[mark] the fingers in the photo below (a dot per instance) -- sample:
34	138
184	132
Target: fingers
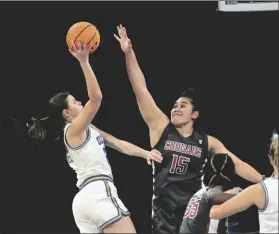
156	156
121	32
78	47
74	48
124	31
88	46
116	37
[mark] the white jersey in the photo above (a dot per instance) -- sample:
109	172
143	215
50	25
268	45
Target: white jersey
213	226
90	158
268	216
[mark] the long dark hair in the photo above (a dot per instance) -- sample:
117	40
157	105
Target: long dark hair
50	127
219	170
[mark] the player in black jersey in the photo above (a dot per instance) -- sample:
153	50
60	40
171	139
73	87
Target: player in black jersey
184	149
219	172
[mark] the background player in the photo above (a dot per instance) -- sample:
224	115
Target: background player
183	148
96	207
264	195
219	173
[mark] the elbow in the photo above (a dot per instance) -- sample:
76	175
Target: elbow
96	98
99	96
214	213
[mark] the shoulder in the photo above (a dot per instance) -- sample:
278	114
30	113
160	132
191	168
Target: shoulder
201	139
255	193
215	145
200	134
169	129
212	139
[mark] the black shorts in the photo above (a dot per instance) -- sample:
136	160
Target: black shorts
166	218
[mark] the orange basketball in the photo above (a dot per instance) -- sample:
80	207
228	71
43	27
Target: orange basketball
83	32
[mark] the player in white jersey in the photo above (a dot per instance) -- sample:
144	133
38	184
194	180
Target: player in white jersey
96	207
264	195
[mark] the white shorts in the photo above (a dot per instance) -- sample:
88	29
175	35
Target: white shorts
96	206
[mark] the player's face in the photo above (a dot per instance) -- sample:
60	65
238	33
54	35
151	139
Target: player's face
74	107
182	112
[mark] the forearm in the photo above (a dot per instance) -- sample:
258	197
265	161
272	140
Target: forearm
220	198
93	88
247	172
131	149
135	74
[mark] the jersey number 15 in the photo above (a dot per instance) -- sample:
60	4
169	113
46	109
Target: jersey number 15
179	164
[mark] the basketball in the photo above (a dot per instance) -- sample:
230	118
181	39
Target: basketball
83	32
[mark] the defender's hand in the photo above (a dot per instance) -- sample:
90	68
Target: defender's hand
123	39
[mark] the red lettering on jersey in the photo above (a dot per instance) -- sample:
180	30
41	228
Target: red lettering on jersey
172	145
183	148
167	145
178	147
192	208
198	152
173	164
189	149
194	150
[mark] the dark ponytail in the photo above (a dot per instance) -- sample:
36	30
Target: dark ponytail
50	127
37	130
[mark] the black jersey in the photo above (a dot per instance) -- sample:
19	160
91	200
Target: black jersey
196	217
182	167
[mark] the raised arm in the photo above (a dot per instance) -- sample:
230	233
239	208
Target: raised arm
128	148
77	129
243	169
152	115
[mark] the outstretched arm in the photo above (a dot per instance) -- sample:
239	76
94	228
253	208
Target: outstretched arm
152	115
241	168
77	129
252	195
129	148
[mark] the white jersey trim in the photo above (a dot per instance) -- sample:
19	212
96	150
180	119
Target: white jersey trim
266	197
88	136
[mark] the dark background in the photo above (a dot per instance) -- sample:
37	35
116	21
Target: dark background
231	58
